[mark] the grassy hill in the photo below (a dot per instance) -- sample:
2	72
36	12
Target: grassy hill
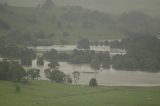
111	6
37	20
44	93
69	24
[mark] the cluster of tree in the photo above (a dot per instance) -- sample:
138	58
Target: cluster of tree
83	44
29	38
57	76
96	60
17	52
11	71
51	55
54	64
33	74
142	54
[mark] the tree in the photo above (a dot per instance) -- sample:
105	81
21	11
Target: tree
26	61
48	4
12	71
33	74
106	42
4	70
51	55
53	64
16	72
93	82
76	77
83	44
55	75
40	61
96	65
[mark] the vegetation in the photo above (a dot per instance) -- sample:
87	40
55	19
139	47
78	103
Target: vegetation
54	64
8	50
83	44
40	93
26	61
33	74
40	61
11	71
93	82
142	54
51	55
55	75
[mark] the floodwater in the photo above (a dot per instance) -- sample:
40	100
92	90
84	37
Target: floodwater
109	77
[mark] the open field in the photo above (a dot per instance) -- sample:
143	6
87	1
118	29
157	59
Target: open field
44	93
111	6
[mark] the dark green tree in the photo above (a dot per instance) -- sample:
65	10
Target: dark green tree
83	44
93	82
33	74
55	75
54	64
40	61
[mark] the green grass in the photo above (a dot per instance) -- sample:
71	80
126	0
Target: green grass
44	93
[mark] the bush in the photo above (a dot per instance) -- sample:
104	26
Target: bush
93	82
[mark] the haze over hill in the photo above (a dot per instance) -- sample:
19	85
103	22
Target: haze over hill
110	6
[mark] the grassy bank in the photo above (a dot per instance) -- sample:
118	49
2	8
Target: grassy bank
44	93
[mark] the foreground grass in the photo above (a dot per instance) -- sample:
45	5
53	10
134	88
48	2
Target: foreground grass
44	93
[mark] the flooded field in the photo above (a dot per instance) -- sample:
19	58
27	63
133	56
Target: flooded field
109	77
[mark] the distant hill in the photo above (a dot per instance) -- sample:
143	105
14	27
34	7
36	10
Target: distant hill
112	6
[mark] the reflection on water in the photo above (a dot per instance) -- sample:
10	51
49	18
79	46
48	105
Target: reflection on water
106	77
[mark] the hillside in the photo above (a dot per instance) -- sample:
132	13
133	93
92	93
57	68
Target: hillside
60	24
44	93
111	6
68	24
